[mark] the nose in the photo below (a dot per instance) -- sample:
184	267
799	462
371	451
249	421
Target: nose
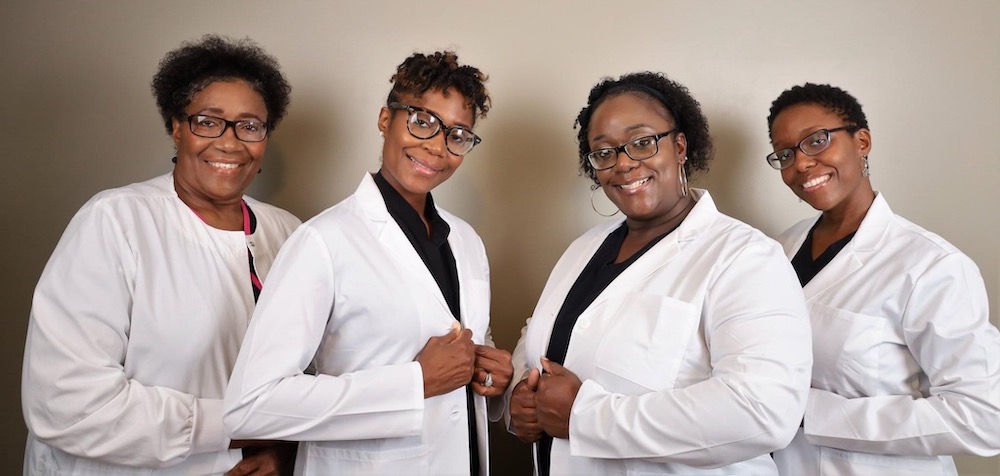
624	162
803	162
436	144
228	139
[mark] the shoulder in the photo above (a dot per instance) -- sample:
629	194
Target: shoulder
279	216
130	200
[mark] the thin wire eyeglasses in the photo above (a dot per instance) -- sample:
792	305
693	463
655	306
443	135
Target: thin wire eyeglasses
812	145
424	124
249	130
640	148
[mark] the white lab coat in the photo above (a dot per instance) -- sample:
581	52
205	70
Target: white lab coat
695	360
351	297
135	325
906	364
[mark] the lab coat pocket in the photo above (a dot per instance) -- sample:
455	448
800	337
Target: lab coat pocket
834	462
643	345
846	349
381	456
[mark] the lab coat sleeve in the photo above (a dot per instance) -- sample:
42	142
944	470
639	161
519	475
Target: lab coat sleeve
75	394
946	327
757	332
270	397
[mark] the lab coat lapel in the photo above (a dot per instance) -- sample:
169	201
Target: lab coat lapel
700	217
391	236
854	256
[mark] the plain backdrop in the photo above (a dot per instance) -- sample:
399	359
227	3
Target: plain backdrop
78	117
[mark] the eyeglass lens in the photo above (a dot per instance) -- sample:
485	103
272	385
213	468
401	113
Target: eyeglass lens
212	127
424	125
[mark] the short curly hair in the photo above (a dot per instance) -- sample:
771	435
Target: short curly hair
441	71
832	98
187	70
684	109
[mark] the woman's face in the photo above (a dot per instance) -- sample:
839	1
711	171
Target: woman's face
415	166
833	178
643	190
219	170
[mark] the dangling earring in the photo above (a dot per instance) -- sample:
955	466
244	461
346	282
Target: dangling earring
174	160
682	177
865	171
593	190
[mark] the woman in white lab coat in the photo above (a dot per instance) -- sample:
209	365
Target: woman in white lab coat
139	314
906	363
674	340
387	297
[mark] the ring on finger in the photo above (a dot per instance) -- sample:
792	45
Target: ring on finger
488	381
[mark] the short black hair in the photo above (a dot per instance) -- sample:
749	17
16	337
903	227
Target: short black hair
187	70
684	109
441	71
832	98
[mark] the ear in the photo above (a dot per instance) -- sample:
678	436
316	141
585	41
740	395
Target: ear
175	133
680	144
383	119
863	141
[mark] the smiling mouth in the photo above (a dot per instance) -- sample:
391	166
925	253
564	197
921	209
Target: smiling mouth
224	165
816	182
634	185
422	166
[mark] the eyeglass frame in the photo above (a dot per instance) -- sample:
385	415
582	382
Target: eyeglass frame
622	148
829	133
411	110
189	118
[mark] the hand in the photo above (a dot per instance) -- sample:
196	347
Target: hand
496	363
447	361
262	458
557	389
523	419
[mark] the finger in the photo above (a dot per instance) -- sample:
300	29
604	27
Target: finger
533	377
552	367
454	333
466	335
485	391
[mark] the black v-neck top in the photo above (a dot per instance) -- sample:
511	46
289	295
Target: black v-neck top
805	267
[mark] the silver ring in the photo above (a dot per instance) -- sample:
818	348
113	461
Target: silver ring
489	380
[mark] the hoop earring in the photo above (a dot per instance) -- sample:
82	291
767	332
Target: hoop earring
593	190
865	171
682	177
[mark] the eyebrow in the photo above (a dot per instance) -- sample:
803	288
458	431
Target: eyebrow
631	128
219	112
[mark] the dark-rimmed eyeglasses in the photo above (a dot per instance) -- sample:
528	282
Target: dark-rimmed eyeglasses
424	124
640	148
812	145
210	127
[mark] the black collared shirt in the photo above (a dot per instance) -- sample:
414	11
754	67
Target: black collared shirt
440	261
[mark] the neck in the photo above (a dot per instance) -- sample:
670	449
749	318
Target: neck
653	228
224	215
846	217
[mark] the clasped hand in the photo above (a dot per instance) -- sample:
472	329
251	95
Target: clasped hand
542	402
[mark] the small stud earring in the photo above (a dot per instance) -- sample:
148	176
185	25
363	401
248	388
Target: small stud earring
381	134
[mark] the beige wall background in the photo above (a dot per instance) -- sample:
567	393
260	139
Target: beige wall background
78	117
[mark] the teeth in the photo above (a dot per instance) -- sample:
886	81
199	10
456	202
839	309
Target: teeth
633	185
221	165
816	181
421	164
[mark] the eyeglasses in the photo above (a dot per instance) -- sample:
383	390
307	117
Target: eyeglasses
641	148
424	124
250	130
812	145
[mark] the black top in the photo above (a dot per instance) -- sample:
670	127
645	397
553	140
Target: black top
805	267
440	261
600	271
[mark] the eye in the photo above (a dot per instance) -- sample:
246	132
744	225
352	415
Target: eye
458	136
251	126
643	142
817	140
602	154
423	120
207	121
